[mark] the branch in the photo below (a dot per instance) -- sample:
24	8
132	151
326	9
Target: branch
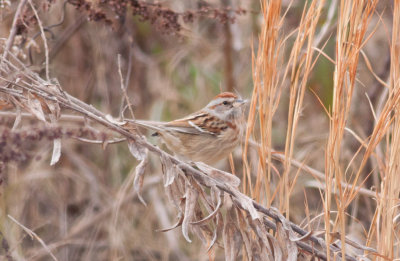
13	30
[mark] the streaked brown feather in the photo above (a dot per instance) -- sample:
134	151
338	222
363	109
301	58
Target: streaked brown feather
201	136
226	95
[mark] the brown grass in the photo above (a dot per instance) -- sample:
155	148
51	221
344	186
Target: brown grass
387	211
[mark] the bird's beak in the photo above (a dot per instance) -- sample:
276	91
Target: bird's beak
239	102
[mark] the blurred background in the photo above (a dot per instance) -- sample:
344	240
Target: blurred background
174	57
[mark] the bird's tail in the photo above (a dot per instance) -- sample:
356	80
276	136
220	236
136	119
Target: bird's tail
151	125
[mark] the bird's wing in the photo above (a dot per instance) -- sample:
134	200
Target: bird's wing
177	125
193	124
196	123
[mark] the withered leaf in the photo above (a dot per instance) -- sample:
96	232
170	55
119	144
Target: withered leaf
212	214
139	177
255	252
17	117
190	204
209	201
229	246
202	232
55	157
246	203
137	151
35	107
246	234
54	109
114	121
50	107
175	192
219	175
263	235
54	88
278	255
177	224
286	225
304	237
217	229
170	170
288	247
231	236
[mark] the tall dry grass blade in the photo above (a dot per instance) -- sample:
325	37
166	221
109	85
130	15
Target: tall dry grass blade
354	17
265	94
300	65
388	203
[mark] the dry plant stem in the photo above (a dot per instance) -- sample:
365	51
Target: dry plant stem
388	206
315	173
229	80
327	27
123	88
353	19
63	117
266	92
13	30
70	102
301	244
301	66
43	35
321	175
34	235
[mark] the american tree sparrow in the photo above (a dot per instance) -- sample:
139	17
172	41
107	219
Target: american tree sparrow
208	135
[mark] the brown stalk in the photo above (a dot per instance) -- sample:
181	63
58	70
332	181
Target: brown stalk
387	208
301	66
265	92
13	31
228	51
353	20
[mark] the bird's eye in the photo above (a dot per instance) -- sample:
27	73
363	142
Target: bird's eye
225	103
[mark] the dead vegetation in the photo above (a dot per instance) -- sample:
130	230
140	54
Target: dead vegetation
62	78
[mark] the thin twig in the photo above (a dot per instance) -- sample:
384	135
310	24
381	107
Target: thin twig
13	30
316	173
123	88
63	117
33	235
46	48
